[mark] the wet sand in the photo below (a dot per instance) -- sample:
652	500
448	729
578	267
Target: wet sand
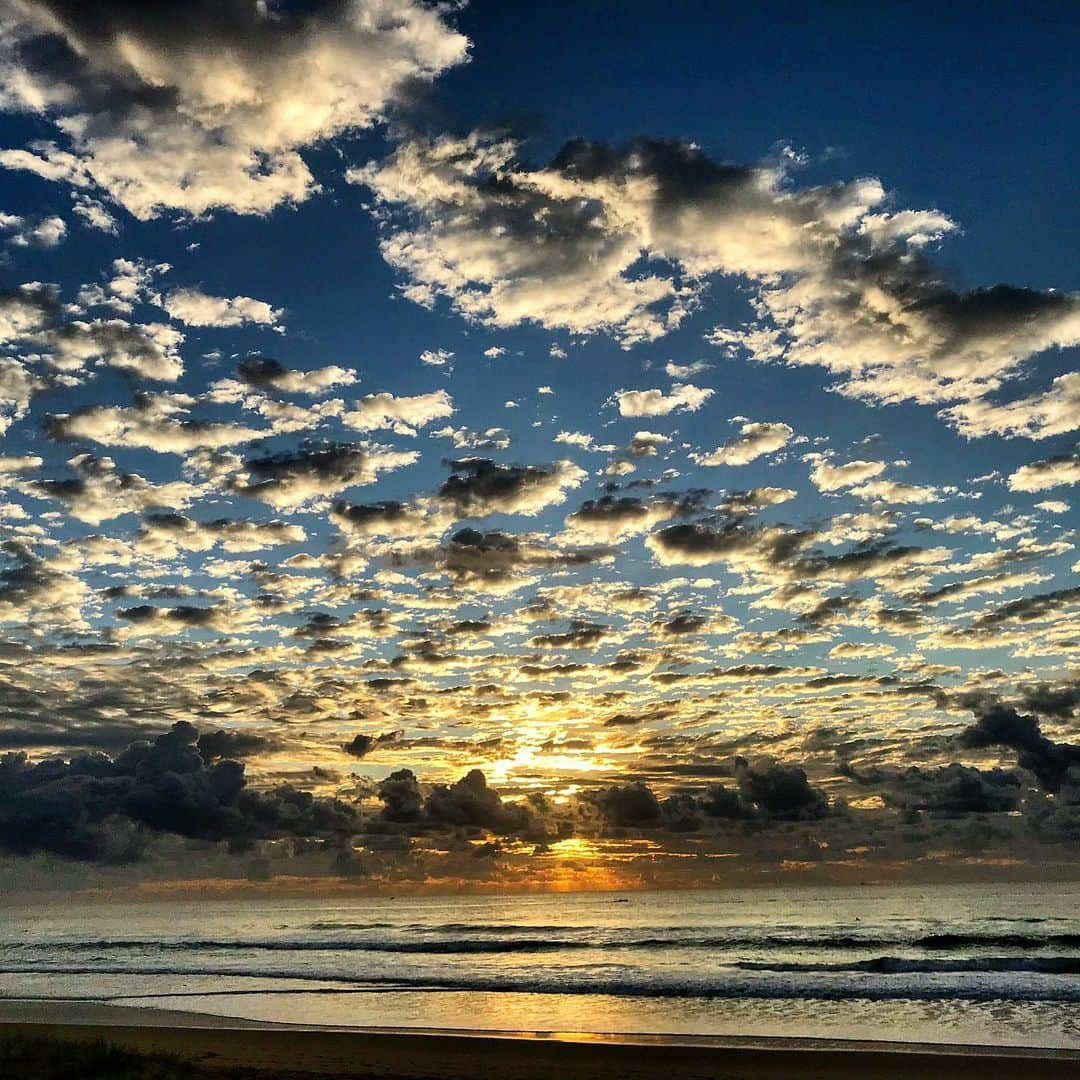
407	1054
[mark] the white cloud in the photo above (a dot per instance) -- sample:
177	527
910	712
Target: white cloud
100	491
682	372
828	477
159	422
895	491
45	232
212	110
95	215
1053	412
752	442
17	386
683	396
196	308
495	438
1042	475
576	438
437	358
402	414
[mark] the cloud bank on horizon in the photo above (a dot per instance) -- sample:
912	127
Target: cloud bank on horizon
575	508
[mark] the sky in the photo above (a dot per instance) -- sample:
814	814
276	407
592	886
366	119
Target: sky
537	446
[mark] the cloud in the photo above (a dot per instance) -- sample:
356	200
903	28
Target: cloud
215	745
828	477
495	438
156	422
752	442
683	397
195	108
148	350
94	215
758	547
610	518
876	315
479	486
548	248
579	439
1055	411
780	791
1001	725
100	491
949	789
777	551
497	562
401	414
315	471
743	503
1046	474
17	386
196	308
580	635
629	805
264	373
437	358
840	283
101	809
360	745
895	491
647	444
32	317
169	533
682	372
390	518
47	232
39	592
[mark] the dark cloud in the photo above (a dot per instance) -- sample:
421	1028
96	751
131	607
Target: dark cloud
315	470
496	561
480	486
780	791
361	745
214	745
1060	700
948	789
581	635
698	543
1002	725
1029	608
723	802
401	798
685	622
629	806
94	807
470	802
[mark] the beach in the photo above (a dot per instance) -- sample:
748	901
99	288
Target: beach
278	1050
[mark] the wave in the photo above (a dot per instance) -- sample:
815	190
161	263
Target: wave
585	939
822	986
903	965
453	928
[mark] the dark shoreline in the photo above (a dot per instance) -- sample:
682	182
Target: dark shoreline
277	1050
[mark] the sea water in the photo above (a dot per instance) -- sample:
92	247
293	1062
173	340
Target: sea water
952	964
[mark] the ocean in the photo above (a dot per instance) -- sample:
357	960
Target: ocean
951	964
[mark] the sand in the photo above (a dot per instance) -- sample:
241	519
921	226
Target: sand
276	1048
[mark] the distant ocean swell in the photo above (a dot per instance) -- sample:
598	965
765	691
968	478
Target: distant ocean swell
1042	981
584	939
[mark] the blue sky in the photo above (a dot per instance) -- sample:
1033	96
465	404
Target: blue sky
703	338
